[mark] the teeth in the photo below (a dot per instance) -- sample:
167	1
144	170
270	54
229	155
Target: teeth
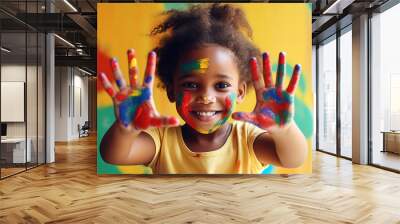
208	114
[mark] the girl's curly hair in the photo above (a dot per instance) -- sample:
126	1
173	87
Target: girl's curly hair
220	24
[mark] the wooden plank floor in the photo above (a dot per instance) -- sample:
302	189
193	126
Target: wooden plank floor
70	191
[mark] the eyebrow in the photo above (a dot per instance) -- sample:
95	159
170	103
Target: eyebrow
224	76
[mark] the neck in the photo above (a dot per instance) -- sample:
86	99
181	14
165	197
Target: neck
220	134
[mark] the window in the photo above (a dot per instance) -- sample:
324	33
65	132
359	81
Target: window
385	89
327	96
346	93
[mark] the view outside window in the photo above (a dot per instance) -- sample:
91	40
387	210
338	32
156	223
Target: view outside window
385	84
327	96
346	94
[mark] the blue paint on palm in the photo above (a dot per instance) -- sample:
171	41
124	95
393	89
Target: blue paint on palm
128	107
273	95
287	97
268	112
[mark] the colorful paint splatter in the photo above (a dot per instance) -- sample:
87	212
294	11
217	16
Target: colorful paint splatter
199	66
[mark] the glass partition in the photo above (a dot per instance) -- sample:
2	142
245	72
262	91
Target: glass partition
22	88
327	96
13	95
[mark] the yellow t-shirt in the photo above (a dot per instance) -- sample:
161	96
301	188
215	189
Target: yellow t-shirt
235	156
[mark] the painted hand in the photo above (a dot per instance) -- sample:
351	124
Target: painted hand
133	104
274	107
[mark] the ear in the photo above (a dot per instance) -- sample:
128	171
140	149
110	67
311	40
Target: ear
170	93
241	92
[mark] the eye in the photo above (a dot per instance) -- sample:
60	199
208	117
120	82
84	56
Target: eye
189	85
222	85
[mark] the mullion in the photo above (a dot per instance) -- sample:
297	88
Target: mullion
338	94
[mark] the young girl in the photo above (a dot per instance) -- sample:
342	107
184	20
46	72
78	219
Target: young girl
206	62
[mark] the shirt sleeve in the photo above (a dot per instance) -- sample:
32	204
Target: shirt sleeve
252	133
156	135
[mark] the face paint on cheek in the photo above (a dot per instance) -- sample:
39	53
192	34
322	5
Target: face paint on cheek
183	102
230	103
199	66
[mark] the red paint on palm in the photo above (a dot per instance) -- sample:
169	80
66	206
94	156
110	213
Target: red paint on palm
143	117
121	96
264	121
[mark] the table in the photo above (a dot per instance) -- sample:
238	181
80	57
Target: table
15	148
391	141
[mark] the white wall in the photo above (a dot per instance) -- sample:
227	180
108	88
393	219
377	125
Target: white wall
15	73
71	87
33	127
62	81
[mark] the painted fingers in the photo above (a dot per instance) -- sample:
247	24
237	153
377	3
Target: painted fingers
267	70
295	79
124	89
107	85
258	85
145	117
132	68
150	70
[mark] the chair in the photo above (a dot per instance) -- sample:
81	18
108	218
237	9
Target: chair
84	130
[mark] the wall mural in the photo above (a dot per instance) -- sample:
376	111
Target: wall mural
195	67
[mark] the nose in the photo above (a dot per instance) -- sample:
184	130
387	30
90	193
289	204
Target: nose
206	99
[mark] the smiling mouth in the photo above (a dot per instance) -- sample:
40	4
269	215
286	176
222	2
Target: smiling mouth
205	115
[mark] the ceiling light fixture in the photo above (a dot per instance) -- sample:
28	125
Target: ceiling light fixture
71	6
65	41
5	50
337	7
84	71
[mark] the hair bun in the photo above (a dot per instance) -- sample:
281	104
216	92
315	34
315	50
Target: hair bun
227	14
